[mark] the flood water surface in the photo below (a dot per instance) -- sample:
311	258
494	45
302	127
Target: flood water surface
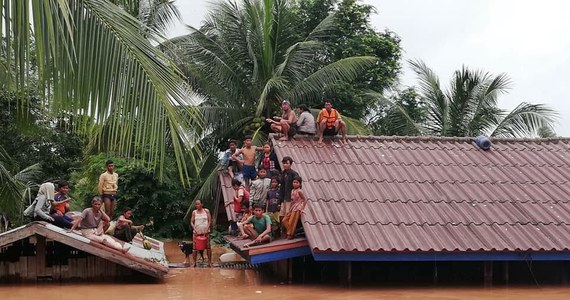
221	284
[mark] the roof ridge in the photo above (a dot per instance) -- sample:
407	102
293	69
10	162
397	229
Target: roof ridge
461	223
439	138
484	201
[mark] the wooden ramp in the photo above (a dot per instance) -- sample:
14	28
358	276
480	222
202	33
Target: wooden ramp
273	251
41	250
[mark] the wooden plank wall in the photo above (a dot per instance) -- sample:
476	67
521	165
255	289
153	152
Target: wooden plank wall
38	260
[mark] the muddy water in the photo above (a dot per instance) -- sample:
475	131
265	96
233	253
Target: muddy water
220	284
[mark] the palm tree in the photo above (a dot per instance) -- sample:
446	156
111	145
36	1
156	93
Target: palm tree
96	60
470	107
247	56
15	186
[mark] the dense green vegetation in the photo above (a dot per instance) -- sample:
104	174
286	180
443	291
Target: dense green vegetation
83	83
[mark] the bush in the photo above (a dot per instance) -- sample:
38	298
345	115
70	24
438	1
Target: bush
162	203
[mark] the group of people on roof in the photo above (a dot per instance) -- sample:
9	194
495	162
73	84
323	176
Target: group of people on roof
329	122
268	199
52	205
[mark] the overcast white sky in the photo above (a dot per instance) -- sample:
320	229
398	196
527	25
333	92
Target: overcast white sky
528	40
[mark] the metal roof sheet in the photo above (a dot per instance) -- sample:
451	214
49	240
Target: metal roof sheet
434	194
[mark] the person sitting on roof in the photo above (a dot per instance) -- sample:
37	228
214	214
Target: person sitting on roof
60	206
286	124
330	123
260	233
89	221
229	164
306	121
41	208
298	202
125	230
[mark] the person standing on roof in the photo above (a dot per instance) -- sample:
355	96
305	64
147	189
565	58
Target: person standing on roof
269	161
286	180
248	161
298	202
108	187
286	124
330	123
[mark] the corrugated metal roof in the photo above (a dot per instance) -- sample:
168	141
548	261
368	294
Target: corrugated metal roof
434	194
151	262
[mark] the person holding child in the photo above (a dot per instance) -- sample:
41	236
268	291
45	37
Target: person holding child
298	202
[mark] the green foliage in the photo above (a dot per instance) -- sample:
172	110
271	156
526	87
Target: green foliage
164	202
96	60
29	137
16	186
468	107
394	114
353	35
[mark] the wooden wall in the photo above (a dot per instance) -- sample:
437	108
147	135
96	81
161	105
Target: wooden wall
35	259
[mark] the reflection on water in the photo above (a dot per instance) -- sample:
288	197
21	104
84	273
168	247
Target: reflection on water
219	284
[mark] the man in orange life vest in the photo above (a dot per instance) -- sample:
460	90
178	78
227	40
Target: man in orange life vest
330	123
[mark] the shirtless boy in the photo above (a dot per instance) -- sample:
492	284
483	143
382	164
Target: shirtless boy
248	161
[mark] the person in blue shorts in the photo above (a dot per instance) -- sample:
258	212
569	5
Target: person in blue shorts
248	162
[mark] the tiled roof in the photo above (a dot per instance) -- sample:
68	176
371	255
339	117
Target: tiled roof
434	194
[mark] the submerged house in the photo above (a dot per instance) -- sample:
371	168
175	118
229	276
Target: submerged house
41	251
434	199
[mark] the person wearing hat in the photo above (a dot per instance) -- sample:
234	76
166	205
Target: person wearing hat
286	124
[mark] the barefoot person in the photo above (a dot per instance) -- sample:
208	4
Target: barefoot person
228	164
125	229
330	123
89	221
201	222
260	232
286	124
248	161
298	201
108	186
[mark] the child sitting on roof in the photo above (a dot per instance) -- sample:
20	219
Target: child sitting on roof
298	202
260	232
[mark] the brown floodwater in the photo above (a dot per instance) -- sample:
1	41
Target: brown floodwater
220	284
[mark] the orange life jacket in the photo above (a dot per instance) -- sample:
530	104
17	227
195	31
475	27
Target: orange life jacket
331	118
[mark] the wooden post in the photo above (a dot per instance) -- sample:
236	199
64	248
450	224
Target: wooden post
290	270
506	271
435	275
488	273
349	273
40	256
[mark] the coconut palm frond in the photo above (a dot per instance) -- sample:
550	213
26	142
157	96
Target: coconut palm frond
95	60
438	104
525	120
347	69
